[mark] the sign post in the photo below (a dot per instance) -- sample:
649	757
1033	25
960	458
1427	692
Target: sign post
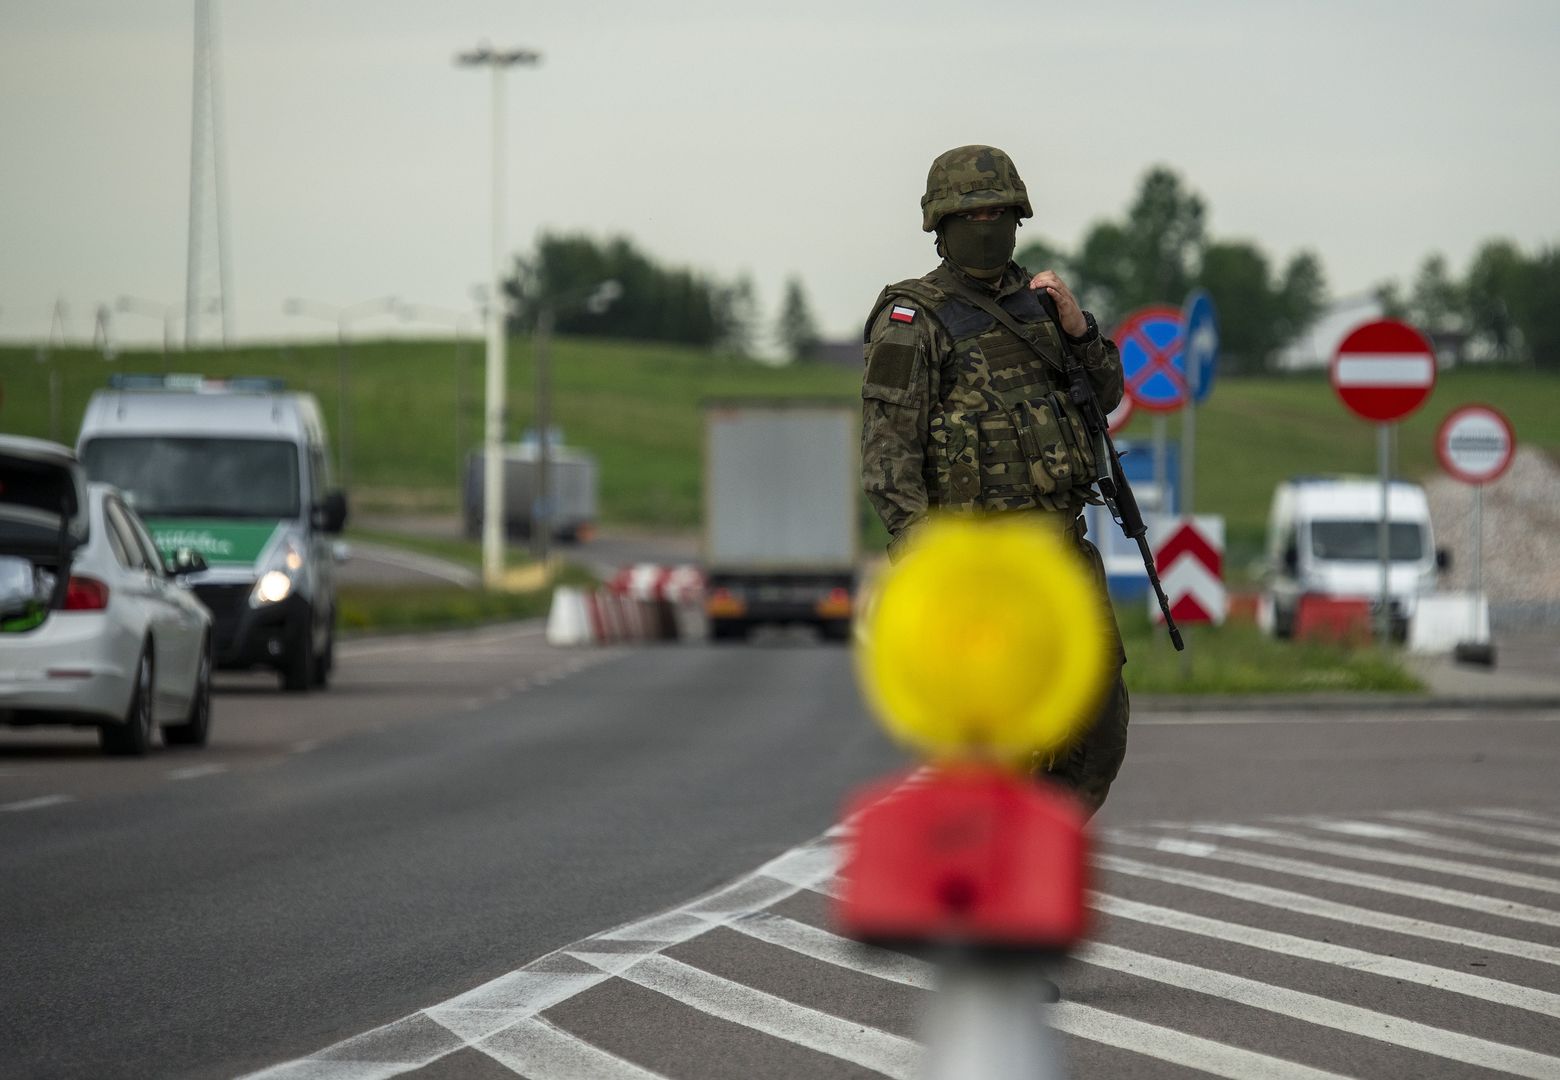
1201	353
1153	368
1382	372
1476	444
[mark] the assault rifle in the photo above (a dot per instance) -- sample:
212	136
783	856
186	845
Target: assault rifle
1114	489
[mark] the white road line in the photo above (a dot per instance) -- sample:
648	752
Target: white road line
1392	967
1177	1047
483	1012
39	803
1302	904
427	565
842	952
892	1055
1352	719
195	772
1420	838
537	1049
1080	1021
1519	815
1488	905
1312	1009
307	746
1372	853
1515	832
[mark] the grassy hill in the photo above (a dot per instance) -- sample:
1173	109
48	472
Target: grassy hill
635	406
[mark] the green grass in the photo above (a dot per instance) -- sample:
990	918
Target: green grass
1237	658
636	407
367	608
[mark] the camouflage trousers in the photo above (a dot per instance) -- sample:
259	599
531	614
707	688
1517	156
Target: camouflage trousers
1088	767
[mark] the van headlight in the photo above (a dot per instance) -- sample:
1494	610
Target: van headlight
280	578
272	588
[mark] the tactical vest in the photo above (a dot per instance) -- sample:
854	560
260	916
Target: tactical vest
1003	434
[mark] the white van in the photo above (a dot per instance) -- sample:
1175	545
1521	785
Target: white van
237	470
1323	540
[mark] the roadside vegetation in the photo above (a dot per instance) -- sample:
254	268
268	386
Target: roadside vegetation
636	408
1237	658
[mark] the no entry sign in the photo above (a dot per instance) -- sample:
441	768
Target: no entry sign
1475	444
1384	370
1150	341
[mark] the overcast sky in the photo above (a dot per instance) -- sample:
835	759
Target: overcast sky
772	139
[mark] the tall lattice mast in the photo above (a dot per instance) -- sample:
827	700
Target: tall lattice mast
208	189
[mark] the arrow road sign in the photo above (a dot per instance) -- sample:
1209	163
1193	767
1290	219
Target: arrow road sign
1202	343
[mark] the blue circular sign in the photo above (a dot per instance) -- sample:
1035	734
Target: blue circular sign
1150	341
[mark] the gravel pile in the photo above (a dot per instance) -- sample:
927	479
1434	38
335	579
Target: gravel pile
1521	538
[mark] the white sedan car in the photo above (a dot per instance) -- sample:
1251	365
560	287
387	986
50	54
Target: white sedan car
94	629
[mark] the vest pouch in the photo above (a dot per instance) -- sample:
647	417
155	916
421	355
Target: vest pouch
1058	459
1076	432
954	438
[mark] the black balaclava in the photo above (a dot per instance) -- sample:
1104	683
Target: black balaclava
981	249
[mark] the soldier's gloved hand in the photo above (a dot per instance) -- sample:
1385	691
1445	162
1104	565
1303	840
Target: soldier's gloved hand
1069	314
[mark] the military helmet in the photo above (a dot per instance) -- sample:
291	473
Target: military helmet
968	178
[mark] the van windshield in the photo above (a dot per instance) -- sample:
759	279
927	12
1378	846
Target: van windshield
199	477
1357	540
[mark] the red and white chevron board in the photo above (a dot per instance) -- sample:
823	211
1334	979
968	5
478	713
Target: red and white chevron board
1189	555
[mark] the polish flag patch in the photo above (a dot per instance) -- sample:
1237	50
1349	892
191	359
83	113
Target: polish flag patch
902	314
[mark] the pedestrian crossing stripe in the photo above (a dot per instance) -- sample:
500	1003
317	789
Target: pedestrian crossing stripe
1491	847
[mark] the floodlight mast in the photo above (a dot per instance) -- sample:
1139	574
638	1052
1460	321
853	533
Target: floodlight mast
493	514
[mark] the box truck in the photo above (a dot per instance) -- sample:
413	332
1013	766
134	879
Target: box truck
780	515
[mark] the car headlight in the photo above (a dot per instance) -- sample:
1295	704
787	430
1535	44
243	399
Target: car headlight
273	587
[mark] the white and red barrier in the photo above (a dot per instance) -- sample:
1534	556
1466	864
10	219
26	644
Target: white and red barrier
643	602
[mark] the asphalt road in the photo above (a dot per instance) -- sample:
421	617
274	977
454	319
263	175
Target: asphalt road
481	857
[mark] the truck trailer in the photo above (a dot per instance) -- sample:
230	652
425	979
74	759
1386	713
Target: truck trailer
780	515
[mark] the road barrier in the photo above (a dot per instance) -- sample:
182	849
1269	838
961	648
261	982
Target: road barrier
644	602
1332	618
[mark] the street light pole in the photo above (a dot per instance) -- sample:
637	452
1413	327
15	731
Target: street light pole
493	516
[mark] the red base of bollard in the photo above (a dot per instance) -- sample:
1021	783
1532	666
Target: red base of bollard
971	855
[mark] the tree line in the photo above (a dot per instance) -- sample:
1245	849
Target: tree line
1505	308
1160	250
652	303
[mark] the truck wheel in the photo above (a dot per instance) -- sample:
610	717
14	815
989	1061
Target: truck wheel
729	630
133	736
197	722
836	630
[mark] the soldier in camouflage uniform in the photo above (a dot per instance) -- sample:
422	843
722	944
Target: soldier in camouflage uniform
959	413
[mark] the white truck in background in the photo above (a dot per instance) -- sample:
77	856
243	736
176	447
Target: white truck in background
781	479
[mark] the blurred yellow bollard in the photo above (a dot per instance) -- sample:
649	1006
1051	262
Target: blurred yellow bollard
987	642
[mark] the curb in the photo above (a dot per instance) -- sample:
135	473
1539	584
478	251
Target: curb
1327	702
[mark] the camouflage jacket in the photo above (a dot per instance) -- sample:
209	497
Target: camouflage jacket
958	413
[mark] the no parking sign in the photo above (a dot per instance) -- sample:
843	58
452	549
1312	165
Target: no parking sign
1151	341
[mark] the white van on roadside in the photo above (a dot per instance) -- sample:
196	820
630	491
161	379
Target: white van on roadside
239	471
1323	540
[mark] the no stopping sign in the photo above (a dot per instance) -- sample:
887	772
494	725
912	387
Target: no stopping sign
1475	444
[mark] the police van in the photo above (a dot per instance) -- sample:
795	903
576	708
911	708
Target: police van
1323	539
239	471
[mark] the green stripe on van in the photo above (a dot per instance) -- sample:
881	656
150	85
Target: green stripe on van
220	543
